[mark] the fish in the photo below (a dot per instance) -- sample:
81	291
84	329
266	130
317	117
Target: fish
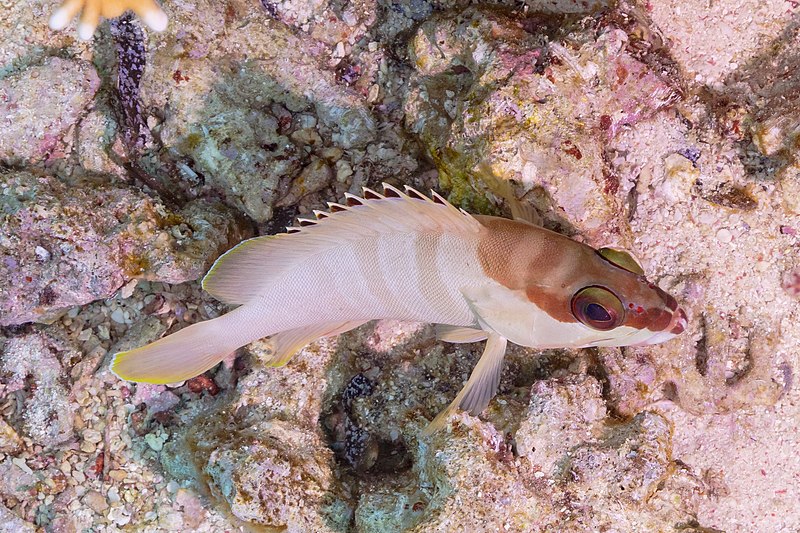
406	256
92	10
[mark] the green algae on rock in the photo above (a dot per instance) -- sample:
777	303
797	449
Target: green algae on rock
496	99
260	458
231	108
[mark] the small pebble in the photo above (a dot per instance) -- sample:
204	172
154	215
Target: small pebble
42	254
113	495
349	18
22	465
95	501
343	171
724	236
79	477
102	332
92	436
127	290
118	316
119	515
117	475
155	443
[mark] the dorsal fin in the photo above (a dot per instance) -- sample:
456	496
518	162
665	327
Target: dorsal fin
244	271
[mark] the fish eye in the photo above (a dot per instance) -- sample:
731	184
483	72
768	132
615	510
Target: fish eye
598	308
622	259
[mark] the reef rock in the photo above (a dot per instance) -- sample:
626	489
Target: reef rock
11	523
40	104
265	475
472	474
265	453
562	414
474	464
33	369
69	244
496	99
628	462
253	110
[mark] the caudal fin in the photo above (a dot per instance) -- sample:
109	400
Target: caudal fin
186	353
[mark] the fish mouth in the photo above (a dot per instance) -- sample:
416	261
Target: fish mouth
676	326
679	322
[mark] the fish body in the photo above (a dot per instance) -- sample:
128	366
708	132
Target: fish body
404	276
408	257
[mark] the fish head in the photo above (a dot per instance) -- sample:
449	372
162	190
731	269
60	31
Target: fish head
614	301
555	292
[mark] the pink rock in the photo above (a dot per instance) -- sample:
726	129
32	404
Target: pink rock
495	101
39	105
32	367
63	245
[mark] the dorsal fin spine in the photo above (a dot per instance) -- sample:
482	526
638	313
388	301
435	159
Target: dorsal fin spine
367	193
395	192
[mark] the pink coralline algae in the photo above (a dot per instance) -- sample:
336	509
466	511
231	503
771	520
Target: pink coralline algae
69	244
40	104
791	283
495	100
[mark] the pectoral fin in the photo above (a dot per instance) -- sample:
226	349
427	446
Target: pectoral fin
481	386
459	335
284	345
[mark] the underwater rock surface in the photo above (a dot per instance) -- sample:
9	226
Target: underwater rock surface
496	100
67	244
131	162
52	95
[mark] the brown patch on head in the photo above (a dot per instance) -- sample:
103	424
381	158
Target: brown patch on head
532	260
648	306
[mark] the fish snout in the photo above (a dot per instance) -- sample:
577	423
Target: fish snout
679	322
676	326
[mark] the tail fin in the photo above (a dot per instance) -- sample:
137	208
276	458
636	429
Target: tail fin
188	352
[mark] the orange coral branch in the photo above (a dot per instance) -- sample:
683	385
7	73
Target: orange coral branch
91	11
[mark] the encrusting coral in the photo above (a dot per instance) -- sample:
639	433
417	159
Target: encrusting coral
91	11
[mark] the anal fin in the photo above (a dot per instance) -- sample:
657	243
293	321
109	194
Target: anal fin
284	345
459	335
481	386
